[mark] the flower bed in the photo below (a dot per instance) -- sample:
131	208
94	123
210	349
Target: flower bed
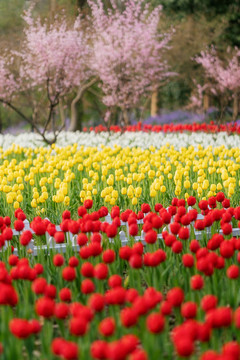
47	180
157	278
173	297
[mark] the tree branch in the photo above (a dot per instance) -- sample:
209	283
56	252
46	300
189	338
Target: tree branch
29	121
81	90
52	105
84	88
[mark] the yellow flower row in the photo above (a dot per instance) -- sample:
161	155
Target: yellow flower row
44	178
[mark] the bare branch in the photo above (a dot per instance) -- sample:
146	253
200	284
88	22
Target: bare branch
53	104
79	95
84	88
29	121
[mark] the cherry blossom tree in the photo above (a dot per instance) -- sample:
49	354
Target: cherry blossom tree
128	51
7	82
54	60
223	77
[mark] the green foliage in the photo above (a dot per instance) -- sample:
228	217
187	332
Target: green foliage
232	34
9	11
10	21
209	7
228	9
198	24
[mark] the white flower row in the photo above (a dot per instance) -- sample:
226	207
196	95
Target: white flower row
131	139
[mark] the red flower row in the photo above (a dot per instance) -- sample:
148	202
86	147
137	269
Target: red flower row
171	128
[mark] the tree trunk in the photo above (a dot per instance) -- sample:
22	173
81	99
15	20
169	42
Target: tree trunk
125	117
52	9
80	112
61	113
34	116
154	101
206	102
76	115
74	112
235	106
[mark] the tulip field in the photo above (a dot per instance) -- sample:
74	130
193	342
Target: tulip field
120	246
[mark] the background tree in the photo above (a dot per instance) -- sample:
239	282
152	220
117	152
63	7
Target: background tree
198	24
223	77
54	61
129	53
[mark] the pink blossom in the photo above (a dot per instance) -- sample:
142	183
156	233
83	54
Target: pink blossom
129	51
57	54
225	75
8	84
